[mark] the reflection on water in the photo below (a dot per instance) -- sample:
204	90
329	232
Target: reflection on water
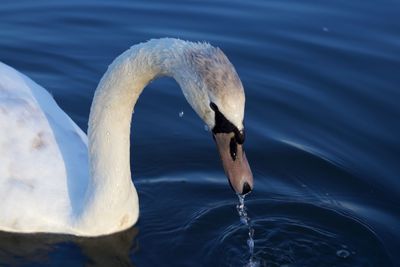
60	250
321	81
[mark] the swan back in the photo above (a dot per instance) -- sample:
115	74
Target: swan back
40	146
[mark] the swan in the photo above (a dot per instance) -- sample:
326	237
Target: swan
55	179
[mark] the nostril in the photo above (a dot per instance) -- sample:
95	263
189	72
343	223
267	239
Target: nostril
246	188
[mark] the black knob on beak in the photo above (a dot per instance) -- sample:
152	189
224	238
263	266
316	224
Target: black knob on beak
246	188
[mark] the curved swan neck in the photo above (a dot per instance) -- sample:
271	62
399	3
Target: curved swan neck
111	194
114	101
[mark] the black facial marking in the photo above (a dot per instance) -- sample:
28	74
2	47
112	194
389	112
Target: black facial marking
223	125
240	136
233	148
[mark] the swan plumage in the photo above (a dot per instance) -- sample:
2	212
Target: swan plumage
40	148
54	178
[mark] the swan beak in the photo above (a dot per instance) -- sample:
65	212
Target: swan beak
235	163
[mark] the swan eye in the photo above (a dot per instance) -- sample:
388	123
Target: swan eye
214	107
233	148
240	136
223	125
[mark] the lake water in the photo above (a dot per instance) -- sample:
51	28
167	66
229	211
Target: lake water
322	118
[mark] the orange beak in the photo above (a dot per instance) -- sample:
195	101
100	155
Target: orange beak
235	163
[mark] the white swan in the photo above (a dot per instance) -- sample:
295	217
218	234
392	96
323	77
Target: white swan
53	179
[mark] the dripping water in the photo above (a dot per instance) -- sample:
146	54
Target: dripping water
245	219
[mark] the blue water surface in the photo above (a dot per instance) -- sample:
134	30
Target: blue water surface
322	119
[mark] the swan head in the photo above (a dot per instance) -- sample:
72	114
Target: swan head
217	96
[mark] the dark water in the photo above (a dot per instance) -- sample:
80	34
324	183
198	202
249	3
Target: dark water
322	83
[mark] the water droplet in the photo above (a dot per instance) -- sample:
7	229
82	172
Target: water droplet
342	253
206	128
181	114
251	233
325	29
245	219
250	243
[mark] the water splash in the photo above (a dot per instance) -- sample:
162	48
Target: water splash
245	219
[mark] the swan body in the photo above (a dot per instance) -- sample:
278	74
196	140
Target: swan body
55	179
40	148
